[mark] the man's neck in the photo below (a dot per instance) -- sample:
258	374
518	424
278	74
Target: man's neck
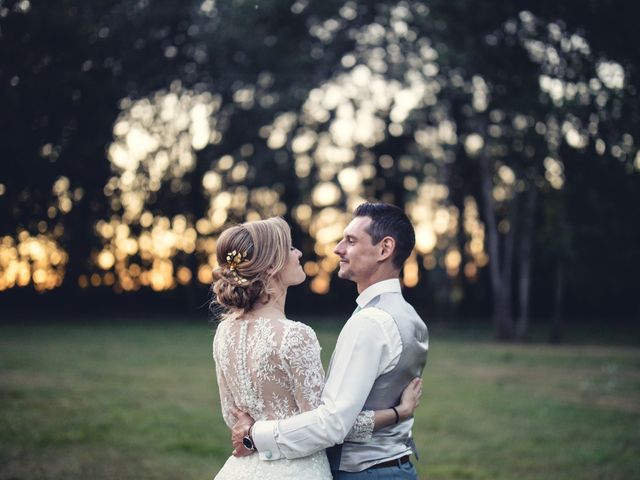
363	285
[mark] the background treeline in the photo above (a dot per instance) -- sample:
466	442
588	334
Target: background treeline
133	132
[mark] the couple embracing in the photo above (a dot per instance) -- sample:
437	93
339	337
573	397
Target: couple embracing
281	409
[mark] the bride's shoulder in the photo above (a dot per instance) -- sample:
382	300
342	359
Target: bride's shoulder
220	326
221	330
286	328
294	327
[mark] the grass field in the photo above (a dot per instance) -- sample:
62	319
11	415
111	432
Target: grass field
139	401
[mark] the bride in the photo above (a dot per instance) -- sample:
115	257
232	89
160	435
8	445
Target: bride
267	365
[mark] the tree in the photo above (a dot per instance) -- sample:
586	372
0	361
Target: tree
211	112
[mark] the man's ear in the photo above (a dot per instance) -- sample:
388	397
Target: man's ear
387	247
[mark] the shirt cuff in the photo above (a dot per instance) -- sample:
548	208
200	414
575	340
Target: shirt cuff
264	433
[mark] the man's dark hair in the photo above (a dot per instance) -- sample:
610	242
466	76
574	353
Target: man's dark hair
389	221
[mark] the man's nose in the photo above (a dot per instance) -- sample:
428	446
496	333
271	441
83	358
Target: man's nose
338	248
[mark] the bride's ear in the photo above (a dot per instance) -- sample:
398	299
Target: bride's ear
272	275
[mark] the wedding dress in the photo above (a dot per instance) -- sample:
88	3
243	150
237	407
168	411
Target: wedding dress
271	369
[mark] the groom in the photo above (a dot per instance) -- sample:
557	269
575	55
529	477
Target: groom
379	350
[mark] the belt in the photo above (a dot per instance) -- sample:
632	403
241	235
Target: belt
393	463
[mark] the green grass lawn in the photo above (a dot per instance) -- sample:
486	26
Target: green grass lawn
139	401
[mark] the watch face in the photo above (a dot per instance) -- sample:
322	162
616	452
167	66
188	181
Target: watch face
248	444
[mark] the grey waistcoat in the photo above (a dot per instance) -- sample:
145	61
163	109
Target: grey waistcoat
393	441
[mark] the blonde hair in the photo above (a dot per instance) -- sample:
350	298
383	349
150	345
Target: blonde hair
263	248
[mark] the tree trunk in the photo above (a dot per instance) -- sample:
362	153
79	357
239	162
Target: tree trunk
508	327
442	294
524	280
500	290
557	328
493	241
563	251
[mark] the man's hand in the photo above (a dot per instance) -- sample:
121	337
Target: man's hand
244	422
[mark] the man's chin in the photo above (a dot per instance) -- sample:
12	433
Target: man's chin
344	274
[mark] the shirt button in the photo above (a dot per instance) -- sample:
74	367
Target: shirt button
267	454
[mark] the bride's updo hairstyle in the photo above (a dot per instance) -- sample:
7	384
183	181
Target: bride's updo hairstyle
249	256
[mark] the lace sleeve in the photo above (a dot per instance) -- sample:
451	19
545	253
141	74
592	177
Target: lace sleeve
301	350
362	429
226	399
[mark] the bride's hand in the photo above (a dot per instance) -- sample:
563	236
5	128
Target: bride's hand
410	399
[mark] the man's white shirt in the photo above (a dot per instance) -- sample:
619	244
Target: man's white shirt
368	346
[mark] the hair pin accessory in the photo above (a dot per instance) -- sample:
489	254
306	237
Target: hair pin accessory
235	258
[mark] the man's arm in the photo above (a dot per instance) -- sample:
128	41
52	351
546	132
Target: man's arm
362	429
361	355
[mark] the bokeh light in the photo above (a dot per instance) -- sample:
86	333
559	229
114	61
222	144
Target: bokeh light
392	84
38	260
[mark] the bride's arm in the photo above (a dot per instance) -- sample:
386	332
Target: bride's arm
226	400
369	421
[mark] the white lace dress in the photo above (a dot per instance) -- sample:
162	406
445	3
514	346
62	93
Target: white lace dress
271	369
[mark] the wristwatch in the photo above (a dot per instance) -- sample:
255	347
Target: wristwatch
247	441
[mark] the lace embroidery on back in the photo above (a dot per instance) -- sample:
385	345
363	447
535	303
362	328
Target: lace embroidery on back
269	368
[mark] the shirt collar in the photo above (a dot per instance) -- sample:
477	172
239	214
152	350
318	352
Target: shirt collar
372	291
